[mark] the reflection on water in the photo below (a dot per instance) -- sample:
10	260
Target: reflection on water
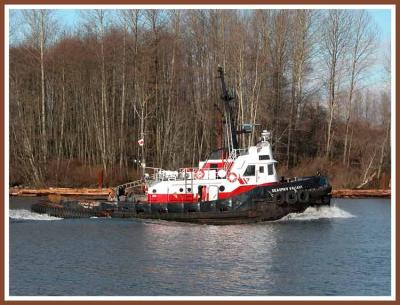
342	250
226	255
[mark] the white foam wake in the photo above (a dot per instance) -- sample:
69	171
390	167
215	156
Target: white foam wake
18	215
314	213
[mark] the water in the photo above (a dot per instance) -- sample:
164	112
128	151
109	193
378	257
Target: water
339	250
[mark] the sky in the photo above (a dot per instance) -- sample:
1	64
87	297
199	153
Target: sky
382	19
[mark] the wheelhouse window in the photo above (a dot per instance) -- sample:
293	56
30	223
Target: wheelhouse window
250	170
261	169
263	157
270	169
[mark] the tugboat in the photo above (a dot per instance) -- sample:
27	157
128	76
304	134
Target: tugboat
234	185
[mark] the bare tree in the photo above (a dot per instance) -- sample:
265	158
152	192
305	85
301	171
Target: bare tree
362	44
39	23
385	146
333	46
301	50
98	19
277	46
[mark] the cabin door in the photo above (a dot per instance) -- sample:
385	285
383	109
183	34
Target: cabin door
213	192
202	193
261	173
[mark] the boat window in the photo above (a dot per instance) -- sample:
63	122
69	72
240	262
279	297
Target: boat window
213	166
263	157
270	169
261	169
222	188
250	170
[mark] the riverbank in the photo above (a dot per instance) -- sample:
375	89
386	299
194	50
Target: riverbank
336	193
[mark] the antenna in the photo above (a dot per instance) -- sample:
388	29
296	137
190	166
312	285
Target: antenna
230	121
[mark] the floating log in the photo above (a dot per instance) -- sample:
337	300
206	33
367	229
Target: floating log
60	191
352	193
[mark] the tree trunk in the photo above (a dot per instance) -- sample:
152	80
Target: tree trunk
44	133
122	136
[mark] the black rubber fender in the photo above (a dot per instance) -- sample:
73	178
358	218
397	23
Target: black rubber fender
303	196
291	197
279	198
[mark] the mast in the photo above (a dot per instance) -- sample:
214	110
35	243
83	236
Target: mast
228	106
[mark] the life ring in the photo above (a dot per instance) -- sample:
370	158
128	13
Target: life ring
232	177
199	174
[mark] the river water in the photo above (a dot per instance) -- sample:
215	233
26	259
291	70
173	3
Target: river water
342	250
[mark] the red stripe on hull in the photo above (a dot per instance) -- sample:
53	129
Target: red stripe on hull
172	198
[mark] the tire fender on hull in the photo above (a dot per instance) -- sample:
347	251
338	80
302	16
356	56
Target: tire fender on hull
143	207
223	205
159	208
192	207
175	207
291	197
303	196
279	198
208	206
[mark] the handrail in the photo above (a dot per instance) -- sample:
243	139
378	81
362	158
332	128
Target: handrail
129	184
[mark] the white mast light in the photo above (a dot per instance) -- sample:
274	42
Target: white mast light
265	135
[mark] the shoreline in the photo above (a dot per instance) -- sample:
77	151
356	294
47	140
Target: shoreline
61	191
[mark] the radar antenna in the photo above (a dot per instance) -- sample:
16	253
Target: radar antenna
228	107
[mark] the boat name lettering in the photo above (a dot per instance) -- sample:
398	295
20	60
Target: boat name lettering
283	189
